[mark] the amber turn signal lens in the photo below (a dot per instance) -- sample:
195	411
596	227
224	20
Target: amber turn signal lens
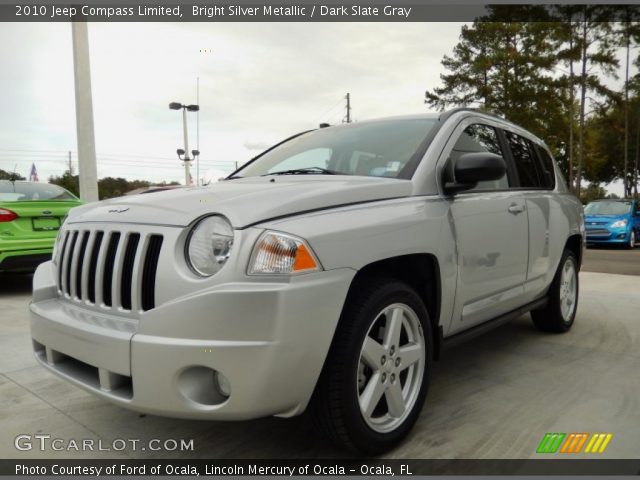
278	253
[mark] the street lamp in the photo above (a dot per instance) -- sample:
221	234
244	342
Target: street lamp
185	152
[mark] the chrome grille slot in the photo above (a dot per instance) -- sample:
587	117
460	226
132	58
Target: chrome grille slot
93	266
127	270
80	263
61	262
108	268
149	272
68	261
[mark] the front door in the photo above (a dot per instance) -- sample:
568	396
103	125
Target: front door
491	227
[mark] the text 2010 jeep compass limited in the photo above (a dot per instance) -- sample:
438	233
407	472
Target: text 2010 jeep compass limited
324	274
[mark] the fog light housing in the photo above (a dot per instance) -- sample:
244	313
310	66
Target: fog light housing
224	387
203	385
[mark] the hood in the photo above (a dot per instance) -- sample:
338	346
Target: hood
605	218
243	201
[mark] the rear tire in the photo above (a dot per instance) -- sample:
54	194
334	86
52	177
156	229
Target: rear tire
377	371
560	312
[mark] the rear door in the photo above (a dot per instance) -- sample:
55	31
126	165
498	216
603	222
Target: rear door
491	229
536	181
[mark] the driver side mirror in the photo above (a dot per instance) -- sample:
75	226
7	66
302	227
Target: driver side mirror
472	168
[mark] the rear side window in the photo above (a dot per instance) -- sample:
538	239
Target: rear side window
480	138
548	172
30	191
532	171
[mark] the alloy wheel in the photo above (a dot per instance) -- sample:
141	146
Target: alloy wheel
391	367
568	290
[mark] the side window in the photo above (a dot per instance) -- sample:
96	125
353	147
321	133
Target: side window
526	162
548	172
480	138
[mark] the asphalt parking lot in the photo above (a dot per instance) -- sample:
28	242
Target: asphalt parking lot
494	397
612	260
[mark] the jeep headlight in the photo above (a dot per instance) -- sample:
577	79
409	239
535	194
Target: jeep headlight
209	245
619	224
280	254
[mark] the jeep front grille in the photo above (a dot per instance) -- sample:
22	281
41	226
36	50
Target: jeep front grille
111	269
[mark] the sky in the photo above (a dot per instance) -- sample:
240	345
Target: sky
259	83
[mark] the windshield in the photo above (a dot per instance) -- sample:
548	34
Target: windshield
607	208
377	149
30	191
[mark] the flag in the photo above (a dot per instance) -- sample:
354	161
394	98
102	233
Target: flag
33	176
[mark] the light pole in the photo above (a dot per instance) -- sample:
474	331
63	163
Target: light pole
195	154
186	159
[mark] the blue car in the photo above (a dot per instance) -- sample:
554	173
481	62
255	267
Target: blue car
613	222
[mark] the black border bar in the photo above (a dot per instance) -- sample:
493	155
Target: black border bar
318	467
276	11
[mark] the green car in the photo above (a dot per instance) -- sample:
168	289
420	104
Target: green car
30	215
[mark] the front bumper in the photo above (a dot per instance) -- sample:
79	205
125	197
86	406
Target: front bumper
606	235
269	339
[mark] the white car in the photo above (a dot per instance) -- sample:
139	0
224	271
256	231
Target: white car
327	273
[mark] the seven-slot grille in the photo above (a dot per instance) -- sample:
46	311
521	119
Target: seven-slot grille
109	268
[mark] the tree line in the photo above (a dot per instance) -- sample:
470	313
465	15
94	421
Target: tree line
108	187
549	69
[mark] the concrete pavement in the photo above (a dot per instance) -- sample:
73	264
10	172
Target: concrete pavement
494	397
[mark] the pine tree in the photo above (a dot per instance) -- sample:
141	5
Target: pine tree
507	67
594	36
628	33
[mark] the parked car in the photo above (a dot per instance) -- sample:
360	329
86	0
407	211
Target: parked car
30	215
613	222
327	273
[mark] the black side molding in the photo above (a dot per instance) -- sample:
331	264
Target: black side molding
483	328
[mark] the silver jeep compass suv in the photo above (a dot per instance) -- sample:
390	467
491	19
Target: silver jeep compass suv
327	273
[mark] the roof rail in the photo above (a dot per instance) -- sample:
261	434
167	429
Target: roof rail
448	113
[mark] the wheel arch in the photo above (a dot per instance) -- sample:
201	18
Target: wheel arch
421	271
575	245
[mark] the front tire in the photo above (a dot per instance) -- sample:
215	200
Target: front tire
632	240
560	312
377	372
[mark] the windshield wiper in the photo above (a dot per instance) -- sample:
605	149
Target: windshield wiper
306	171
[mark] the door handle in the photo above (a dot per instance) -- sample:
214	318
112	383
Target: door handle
515	208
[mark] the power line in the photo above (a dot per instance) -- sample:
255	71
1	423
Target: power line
324	115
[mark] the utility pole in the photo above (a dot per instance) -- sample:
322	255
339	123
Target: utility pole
70	164
627	187
87	168
635	167
347	119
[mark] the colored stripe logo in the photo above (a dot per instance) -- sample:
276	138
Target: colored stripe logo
598	443
574	443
